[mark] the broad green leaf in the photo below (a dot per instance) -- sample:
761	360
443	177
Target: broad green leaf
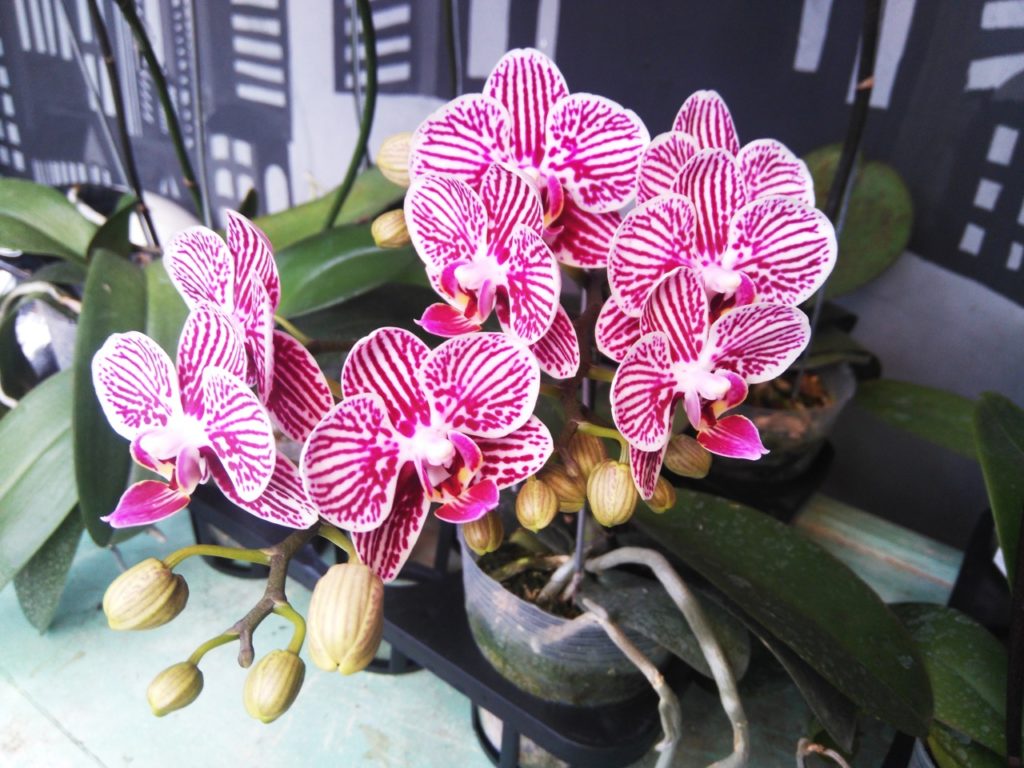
951	750
371	194
804	597
967	667
935	415
165	310
114	301
642	605
879	217
113	233
999	431
830	345
61	273
37	476
39	219
40	583
16	373
389	304
335	266
250	204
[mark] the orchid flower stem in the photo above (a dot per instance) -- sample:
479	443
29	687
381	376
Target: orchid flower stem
293	330
209	645
600	373
340	540
694	614
550	390
612	434
215	550
805	747
299	635
366	120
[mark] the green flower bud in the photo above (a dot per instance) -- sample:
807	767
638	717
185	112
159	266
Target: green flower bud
664	496
570	489
536	505
393	158
147	595
346	618
611	493
587	451
484	535
389	230
174	688
272	685
686	457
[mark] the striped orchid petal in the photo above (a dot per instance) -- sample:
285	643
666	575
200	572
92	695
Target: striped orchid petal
713	183
445	320
616	331
208	339
654	239
136	385
475	502
516	456
300	396
386	363
201	268
593	147
558	350
350	463
146	502
258	324
583	239
678	308
786	249
661	162
733	436
483	384
769	168
509	202
533	283
646	466
643	393
386	547
527	83
758	341
283	502
253	260
706	118
462	139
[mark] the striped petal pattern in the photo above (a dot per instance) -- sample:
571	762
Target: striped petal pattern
583	239
253	260
678	308
201	268
533	283
706	118
661	162
516	456
208	339
769	168
510	202
646	466
713	183
299	397
283	502
643	393
558	350
386	547
758	341
615	331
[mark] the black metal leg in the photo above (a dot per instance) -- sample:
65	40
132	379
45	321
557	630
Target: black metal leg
509	747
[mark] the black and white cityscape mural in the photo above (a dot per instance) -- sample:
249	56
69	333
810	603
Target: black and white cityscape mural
269	90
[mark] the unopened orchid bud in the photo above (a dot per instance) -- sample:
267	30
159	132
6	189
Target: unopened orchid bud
611	493
393	158
571	490
389	230
486	534
536	505
174	688
147	595
346	618
664	496
587	451
272	685
686	457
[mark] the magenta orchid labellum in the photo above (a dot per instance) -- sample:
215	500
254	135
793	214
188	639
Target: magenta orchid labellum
452	425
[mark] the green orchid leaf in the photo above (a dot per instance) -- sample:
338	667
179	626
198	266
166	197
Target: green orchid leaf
61	273
37	476
934	415
806	598
39	219
830	345
250	204
999	432
388	305
40	583
113	233
165	309
967	667
952	750
335	266
371	194
114	301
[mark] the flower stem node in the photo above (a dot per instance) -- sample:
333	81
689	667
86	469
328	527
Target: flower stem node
571	490
174	688
393	158
688	458
389	230
537	504
664	497
611	493
587	451
486	534
346	618
147	595
272	685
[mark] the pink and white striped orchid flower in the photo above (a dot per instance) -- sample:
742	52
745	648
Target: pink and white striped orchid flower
683	356
484	252
186	425
580	150
451	425
704	122
240	279
771	249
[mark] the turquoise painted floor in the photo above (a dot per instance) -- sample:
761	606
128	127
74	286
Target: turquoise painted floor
75	696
